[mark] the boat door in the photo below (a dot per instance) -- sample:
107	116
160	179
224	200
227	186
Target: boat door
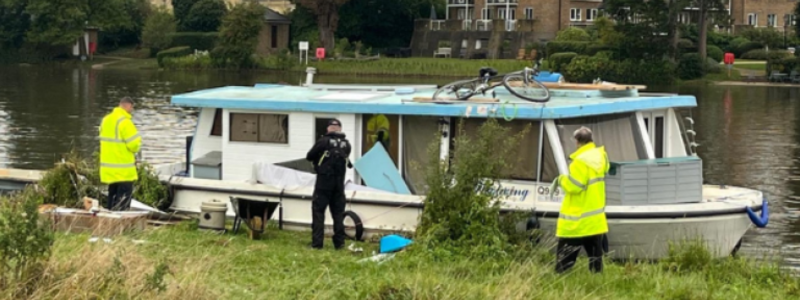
654	123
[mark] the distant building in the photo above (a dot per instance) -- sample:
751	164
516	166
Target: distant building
492	27
274	36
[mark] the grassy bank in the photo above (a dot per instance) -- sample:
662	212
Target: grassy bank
188	263
417	66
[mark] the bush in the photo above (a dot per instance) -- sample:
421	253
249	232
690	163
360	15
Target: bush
195	40
715	53
764	36
149	189
789	64
761	54
690	67
173	52
239	36
559	61
204	16
595	49
747	47
190	62
25	241
70	180
587	68
560	47
713	66
158	30
572	34
280	61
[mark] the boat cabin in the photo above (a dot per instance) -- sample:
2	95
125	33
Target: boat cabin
239	126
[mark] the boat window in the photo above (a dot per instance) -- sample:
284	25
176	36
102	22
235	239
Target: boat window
384	129
261	128
419	132
659	135
216	129
617	133
320	127
524	163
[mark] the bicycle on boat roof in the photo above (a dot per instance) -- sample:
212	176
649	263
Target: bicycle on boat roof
520	83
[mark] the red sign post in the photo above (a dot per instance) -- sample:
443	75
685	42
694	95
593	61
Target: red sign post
728	59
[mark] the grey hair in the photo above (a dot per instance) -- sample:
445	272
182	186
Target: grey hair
126	100
583	135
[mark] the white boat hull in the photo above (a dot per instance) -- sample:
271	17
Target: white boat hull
720	224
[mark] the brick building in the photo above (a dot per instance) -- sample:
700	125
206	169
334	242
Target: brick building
497	28
281	6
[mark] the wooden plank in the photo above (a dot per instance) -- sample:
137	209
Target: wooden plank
587	86
454	100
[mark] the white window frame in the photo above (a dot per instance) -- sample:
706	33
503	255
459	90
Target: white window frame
575	14
591	14
529	13
513	13
501	13
752	19
772	20
461	14
485	14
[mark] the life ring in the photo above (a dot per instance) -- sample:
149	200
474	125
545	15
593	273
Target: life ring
759	221
359	227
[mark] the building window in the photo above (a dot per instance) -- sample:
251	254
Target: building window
259	128
216	129
574	14
683	18
772	21
485	14
462	14
529	13
501	13
513	13
274	36
591	14
752	19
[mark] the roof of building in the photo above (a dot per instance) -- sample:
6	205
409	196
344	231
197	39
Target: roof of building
400	101
273	17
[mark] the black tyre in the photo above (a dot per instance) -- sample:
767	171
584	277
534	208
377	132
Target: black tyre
526	88
463	89
353	228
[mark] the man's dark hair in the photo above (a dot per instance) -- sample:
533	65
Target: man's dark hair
583	135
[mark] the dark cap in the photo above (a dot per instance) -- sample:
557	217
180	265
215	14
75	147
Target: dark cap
334	122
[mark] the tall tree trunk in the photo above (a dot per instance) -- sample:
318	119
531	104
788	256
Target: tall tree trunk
327	20
673	30
701	44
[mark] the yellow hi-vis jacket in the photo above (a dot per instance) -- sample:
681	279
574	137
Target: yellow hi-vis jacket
583	209
119	143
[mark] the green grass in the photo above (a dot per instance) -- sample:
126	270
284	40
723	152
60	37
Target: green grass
418	66
280	266
754	67
134	64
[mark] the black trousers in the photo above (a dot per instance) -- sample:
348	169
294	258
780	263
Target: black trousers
119	196
329	191
569	248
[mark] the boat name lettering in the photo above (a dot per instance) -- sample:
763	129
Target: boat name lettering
505	191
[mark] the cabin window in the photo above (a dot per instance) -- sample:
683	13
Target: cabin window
617	133
260	128
216	128
384	129
419	133
524	161
320	127
655	132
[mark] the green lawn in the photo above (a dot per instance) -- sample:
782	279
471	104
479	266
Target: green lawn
203	265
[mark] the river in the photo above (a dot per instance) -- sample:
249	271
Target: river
748	136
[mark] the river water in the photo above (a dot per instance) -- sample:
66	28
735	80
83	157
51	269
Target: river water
749	136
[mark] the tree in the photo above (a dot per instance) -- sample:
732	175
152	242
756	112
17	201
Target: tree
158	30
181	8
797	19
204	16
638	23
137	11
56	22
239	36
14	23
572	34
707	9
327	12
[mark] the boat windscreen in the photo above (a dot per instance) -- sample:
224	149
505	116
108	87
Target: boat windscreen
619	134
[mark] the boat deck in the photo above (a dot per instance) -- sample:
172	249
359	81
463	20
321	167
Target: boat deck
401	100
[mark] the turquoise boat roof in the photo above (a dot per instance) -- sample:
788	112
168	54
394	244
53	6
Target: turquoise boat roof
399	101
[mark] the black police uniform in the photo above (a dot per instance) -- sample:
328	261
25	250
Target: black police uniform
330	158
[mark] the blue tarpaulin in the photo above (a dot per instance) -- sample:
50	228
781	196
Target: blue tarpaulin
378	171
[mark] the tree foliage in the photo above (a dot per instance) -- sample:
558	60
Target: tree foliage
572	34
158	30
57	22
238	36
137	12
180	9
204	16
14	23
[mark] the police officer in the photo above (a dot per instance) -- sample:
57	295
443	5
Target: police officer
119	144
582	219
330	156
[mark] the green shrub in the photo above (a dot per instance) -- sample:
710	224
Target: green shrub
747	47
189	62
587	68
572	34
690	67
630	71
70	180
715	52
25	241
239	36
788	64
595	49
560	47
280	61
195	40
713	66
761	54
559	61
736	43
149	189
173	52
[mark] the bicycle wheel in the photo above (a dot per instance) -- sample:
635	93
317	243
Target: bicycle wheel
463	89
526	88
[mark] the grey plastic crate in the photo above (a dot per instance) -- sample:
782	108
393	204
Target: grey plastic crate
656	181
